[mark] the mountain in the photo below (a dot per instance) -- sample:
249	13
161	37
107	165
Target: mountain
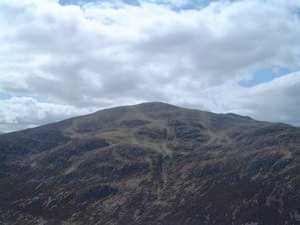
151	164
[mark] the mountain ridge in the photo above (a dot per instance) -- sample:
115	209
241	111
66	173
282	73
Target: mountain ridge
151	104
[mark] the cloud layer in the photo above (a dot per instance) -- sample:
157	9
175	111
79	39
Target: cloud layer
63	60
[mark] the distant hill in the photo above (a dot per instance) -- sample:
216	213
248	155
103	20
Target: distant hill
151	164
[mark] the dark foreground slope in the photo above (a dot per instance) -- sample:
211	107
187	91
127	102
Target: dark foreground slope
151	164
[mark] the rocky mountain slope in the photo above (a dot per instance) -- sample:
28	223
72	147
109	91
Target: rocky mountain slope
151	164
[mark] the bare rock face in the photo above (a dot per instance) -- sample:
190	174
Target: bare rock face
151	164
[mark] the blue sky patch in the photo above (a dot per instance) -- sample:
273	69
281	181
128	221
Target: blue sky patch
264	75
4	96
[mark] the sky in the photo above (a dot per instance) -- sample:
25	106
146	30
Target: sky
65	58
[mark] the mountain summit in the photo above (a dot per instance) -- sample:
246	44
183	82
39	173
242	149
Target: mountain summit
151	164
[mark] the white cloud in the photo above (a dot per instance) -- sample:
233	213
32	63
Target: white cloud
24	112
277	100
176	3
103	54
